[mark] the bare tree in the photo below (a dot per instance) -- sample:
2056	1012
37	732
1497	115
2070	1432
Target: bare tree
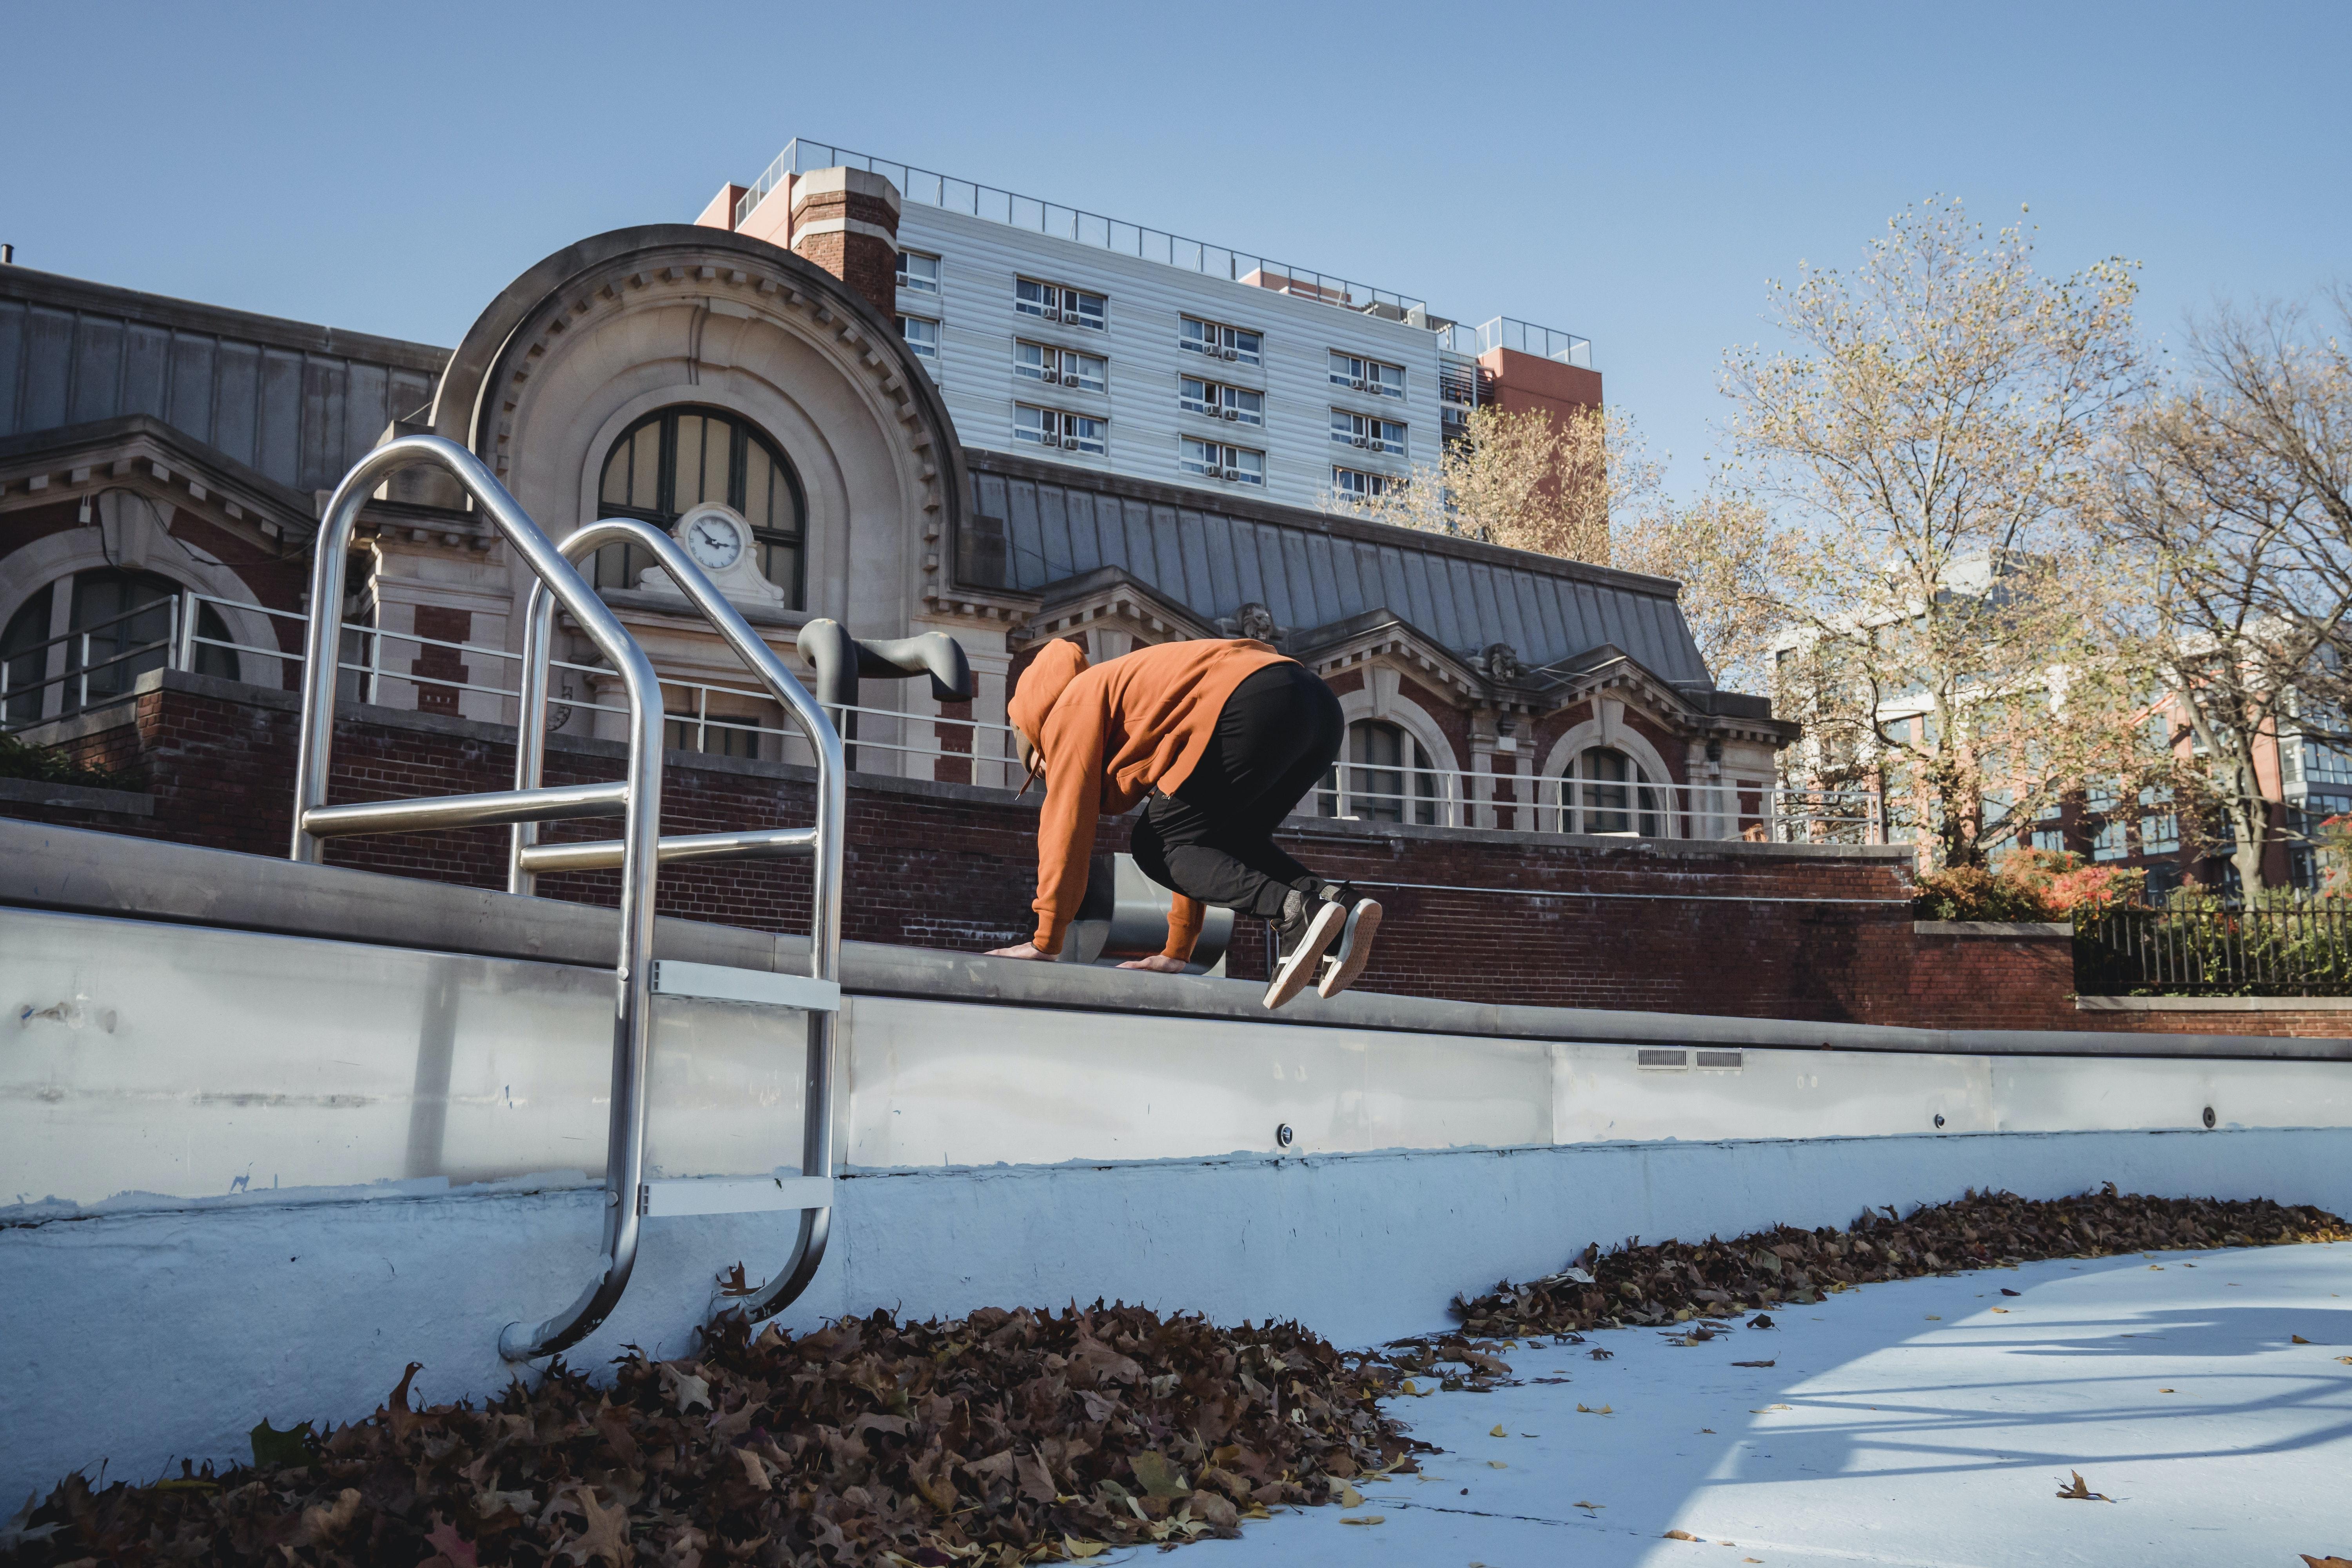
2234	497
1931	438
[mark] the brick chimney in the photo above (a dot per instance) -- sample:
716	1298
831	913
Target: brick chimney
846	221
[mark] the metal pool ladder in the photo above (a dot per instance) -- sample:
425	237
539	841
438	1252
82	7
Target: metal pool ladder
630	1198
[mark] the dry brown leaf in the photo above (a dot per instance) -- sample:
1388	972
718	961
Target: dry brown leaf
1593	1505
2326	1561
1366	1519
606	1535
1082	1550
2081	1491
1497	1432
1768	1409
2298	1339
1349	1497
1680	1535
1496	1465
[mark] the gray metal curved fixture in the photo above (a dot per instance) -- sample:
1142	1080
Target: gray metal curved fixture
826	843
638	801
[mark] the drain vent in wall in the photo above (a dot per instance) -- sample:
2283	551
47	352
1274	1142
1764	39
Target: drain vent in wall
1657	1058
1718	1058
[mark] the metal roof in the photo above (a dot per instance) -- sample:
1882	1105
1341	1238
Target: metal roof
296	403
1310	571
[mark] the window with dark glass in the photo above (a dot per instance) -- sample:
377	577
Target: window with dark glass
119	625
1605	791
1388	777
670	462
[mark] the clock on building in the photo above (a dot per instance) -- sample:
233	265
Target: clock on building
713	536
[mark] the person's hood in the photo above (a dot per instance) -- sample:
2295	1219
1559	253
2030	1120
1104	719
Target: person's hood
1042	685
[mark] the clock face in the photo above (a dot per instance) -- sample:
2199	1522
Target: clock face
713	539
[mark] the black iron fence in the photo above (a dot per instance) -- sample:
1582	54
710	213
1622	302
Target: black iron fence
2299	948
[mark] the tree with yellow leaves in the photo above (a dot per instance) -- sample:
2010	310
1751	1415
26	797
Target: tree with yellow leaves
1930	436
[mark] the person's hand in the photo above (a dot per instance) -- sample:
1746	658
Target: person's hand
1026	949
1159	964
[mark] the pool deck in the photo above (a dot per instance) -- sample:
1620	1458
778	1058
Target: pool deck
1928	1422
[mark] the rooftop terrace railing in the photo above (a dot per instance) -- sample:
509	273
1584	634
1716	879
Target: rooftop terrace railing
1523	337
1080	227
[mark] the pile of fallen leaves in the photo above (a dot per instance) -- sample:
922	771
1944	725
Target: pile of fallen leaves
998	1438
1676	1281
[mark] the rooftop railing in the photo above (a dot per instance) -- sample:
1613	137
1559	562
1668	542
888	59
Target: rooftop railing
1083	227
1524	337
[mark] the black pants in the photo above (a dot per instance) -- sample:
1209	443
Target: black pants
1279	733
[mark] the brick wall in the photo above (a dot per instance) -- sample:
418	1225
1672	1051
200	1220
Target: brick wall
1743	929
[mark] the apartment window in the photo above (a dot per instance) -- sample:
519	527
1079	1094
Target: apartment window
1218	341
2159	827
1065	432
918	273
1215	460
1051	302
922	335
1063	367
1354	484
1368	431
678	458
1218	400
1366	375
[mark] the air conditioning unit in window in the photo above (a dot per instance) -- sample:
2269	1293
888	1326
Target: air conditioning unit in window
1051	314
1358	441
1233	414
1232	473
1070	443
1356	385
1232	354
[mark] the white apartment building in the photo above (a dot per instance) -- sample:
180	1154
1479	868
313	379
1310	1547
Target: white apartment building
1126	350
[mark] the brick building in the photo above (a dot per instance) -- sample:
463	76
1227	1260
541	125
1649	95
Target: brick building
749	380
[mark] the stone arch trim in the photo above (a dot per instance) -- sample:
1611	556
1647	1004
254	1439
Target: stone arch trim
600	274
57	556
1607	726
1378	696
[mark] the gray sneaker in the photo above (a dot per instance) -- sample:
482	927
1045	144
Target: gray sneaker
1343	968
1318	925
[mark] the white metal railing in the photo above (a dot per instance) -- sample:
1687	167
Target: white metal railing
731	719
1041	216
1443	797
1525	337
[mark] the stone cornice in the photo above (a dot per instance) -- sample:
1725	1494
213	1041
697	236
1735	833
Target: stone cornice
45	465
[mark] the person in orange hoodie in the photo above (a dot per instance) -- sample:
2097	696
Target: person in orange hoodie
1224	737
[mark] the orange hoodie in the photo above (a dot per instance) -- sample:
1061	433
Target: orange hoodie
1109	735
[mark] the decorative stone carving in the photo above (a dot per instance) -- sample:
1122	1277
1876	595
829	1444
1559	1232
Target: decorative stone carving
1501	662
1253	621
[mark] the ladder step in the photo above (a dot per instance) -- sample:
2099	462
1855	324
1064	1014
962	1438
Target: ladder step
722	982
467	810
735	1194
602	854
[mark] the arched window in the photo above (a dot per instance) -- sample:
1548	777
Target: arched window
117	626
1386	777
674	460
1605	791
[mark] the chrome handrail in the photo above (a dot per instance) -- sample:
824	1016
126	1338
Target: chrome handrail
639	805
526	857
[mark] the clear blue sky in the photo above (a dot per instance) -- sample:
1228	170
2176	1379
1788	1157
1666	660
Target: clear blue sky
1634	173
